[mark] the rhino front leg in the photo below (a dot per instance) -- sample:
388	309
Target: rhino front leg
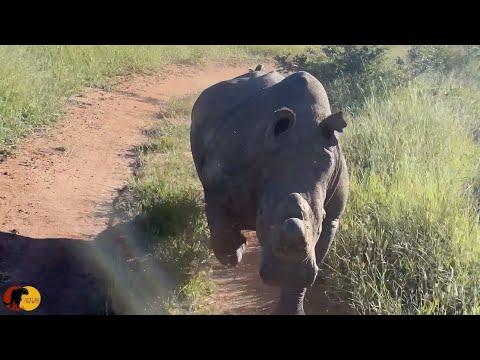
333	212
227	244
329	229
226	241
291	301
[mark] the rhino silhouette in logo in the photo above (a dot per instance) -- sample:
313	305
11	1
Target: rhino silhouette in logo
16	298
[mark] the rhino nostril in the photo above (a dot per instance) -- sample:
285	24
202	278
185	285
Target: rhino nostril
291	242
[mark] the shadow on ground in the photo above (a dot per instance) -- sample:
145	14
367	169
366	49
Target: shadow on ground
75	276
115	271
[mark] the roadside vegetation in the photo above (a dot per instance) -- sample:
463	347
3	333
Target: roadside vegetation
409	242
36	81
169	196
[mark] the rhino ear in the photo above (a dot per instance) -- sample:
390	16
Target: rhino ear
284	120
335	122
332	123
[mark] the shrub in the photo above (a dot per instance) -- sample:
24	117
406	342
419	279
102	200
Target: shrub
349	72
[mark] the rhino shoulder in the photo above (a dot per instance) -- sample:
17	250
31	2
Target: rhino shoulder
305	80
215	101
307	91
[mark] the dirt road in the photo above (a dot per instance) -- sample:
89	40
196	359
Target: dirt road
56	193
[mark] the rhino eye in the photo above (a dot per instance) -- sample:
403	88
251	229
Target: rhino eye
282	126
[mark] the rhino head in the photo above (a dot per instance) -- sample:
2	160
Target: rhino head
300	166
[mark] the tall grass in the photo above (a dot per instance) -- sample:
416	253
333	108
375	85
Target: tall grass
168	195
409	242
36	80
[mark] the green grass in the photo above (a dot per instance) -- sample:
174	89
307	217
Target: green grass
409	242
35	81
272	50
399	51
179	107
167	193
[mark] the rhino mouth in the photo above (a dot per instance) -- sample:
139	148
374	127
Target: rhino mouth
275	272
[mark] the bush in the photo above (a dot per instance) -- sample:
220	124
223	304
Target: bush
349	72
440	58
460	62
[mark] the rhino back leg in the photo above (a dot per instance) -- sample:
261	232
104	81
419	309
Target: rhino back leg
226	240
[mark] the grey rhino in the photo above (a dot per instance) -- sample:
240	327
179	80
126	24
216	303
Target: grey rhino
266	151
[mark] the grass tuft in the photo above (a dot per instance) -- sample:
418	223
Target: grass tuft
168	196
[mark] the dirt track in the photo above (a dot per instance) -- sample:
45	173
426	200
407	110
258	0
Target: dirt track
56	195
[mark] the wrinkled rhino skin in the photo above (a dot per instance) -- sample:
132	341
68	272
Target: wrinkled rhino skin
266	150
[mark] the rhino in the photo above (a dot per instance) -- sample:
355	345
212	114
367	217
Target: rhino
266	150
